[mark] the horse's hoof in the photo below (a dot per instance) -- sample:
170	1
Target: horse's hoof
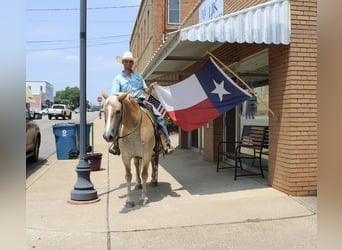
138	186
129	204
144	201
154	183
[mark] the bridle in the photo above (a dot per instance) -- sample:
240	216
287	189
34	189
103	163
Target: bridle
136	127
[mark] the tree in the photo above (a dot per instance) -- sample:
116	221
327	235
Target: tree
69	96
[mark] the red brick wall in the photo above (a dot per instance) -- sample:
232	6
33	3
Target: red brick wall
293	96
183	139
148	31
151	28
231	6
212	135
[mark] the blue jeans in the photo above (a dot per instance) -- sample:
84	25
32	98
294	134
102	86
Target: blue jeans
161	122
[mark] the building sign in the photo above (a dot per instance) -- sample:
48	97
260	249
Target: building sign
210	9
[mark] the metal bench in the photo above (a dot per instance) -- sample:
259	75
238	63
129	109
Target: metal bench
253	143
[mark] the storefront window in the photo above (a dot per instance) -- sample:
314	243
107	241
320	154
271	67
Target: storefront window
254	111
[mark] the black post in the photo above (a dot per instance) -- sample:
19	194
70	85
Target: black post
83	190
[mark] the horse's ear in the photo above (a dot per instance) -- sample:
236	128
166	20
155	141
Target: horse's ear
122	96
131	98
104	94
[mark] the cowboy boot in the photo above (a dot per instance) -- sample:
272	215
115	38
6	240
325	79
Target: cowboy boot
168	149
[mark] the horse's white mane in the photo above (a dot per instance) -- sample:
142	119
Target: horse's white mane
113	100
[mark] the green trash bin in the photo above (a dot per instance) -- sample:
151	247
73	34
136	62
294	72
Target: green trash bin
65	138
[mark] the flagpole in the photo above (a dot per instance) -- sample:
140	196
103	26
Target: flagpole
244	83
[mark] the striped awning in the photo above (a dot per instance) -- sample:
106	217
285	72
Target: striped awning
267	23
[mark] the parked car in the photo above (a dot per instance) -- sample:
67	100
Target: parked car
44	111
59	110
77	110
33	138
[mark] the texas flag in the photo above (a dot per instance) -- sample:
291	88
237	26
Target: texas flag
201	98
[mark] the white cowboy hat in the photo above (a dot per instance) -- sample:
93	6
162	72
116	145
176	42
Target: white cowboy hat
126	56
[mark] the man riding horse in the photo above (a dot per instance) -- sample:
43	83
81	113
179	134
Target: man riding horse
132	82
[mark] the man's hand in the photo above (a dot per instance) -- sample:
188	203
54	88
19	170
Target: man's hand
153	84
151	87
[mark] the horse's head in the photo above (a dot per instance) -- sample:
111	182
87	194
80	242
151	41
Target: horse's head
113	115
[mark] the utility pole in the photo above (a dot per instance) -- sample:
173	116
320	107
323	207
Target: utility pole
83	192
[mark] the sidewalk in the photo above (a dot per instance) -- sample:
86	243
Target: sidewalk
192	208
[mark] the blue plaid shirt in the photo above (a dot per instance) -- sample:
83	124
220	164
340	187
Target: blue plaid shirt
134	84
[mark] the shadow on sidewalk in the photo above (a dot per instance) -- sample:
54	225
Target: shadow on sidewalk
33	167
199	177
154	194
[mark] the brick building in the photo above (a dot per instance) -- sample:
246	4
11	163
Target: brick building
271	45
42	92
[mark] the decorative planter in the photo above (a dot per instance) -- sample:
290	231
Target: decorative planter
94	159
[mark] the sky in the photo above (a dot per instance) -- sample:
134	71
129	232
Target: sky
52	42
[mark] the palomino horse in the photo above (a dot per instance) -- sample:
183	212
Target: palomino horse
127	121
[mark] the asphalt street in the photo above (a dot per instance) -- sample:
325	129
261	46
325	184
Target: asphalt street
48	146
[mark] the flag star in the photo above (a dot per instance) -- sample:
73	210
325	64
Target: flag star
220	90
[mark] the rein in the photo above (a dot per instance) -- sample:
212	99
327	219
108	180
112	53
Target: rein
136	127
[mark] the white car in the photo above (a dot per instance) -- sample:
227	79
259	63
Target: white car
44	111
59	110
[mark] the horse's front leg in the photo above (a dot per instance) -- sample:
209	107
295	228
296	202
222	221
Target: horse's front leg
144	174
137	163
128	176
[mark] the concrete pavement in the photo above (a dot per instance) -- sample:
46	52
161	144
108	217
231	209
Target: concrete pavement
193	207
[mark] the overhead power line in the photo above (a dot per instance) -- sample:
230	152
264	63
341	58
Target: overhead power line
74	20
74	40
96	44
92	8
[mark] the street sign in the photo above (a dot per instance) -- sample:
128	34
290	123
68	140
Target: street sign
99	99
